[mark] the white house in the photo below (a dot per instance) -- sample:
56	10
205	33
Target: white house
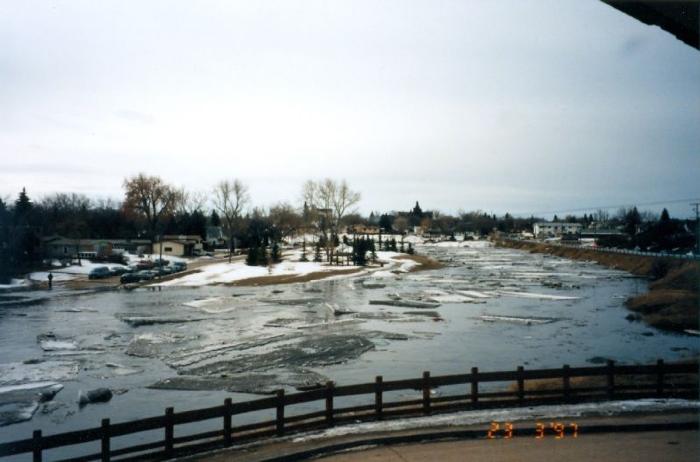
544	229
179	246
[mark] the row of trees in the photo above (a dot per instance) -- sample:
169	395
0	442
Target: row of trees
152	207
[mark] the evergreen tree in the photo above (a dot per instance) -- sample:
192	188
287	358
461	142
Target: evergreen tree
303	251
632	221
401	248
317	252
262	256
393	245
23	206
214	219
252	257
275	254
410	249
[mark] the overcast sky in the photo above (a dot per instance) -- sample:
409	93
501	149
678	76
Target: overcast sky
520	106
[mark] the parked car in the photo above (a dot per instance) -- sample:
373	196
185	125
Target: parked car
129	277
118	270
179	266
160	261
146	275
99	272
163	270
144	264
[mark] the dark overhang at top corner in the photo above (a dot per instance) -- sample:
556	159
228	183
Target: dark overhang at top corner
680	18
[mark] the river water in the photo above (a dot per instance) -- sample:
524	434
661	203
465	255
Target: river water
192	347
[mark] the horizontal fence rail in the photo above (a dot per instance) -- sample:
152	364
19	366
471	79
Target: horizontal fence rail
563	385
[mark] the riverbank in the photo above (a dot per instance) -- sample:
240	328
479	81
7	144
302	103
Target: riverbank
672	301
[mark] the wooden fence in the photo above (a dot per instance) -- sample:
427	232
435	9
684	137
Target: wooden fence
603	383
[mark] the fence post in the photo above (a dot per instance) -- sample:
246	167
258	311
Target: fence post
660	377
36	446
105	440
567	381
475	385
228	405
521	385
169	424
280	413
330	421
611	379
426	392
378	397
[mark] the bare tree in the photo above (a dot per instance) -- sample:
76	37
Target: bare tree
191	201
400	224
149	197
285	219
329	201
230	198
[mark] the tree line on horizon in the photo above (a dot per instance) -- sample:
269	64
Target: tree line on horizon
152	208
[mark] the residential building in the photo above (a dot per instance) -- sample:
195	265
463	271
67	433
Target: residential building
555	229
60	247
179	246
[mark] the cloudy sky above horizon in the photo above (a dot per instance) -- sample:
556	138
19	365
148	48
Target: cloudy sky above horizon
520	106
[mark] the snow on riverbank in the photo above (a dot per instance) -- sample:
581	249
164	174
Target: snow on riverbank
226	273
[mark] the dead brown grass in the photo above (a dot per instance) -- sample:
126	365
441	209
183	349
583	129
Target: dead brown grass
601	381
293	278
424	262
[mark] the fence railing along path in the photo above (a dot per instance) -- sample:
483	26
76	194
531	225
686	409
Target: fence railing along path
609	382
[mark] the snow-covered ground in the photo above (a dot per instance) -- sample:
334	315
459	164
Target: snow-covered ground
223	273
14	284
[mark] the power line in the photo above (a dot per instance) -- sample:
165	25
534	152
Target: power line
605	207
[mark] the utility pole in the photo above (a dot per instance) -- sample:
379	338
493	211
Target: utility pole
696	206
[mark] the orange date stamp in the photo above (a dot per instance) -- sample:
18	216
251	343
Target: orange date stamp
557	430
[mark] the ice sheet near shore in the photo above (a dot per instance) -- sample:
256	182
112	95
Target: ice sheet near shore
19	402
510	415
39	371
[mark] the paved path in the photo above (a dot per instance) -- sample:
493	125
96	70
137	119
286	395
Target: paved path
679	446
633	446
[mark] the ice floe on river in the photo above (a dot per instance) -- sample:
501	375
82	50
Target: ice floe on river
19	402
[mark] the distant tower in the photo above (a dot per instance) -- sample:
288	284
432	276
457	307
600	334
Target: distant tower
417	210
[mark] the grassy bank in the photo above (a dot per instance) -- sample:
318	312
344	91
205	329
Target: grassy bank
672	301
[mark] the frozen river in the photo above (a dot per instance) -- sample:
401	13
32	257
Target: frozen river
192	347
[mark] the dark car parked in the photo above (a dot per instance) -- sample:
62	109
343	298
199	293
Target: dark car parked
99	273
118	270
179	266
129	277
147	275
